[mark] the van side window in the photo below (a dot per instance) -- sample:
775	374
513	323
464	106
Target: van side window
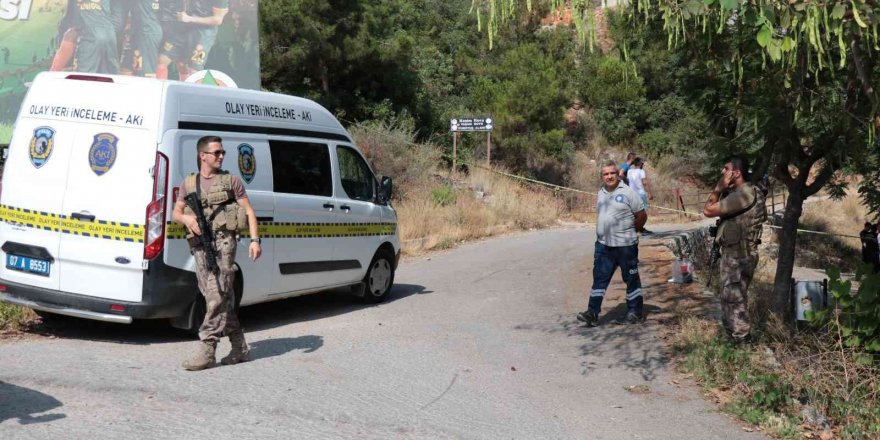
357	179
301	168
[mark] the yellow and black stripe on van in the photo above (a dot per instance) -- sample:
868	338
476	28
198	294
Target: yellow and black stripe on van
134	233
47	221
306	230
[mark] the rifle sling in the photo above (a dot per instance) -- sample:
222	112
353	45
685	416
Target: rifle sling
741	211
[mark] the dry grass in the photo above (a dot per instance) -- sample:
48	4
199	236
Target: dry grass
844	217
485	204
14	318
842	383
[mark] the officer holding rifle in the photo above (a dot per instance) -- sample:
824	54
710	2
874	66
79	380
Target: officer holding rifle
214	207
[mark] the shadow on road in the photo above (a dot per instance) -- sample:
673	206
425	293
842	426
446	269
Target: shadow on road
639	347
140	332
276	347
316	306
257	317
24	404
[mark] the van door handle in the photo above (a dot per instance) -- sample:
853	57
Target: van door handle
329	206
82	217
345	208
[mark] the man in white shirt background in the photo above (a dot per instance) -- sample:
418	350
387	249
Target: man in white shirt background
638	181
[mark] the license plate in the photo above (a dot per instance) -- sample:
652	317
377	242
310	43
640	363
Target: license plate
27	264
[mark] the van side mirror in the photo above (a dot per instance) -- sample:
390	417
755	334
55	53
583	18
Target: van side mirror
385	190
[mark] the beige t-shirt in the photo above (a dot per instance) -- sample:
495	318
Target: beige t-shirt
738	200
208	183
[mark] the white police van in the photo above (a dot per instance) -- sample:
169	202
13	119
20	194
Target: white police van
93	170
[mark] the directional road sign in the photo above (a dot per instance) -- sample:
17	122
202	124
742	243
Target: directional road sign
471	124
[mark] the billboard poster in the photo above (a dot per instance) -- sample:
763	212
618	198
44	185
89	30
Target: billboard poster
207	41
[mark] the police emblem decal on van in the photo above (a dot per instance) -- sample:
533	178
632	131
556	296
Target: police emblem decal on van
102	155
247	163
42	145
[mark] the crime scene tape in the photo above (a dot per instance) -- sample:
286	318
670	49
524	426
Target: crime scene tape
807	231
304	230
565	188
129	232
102	229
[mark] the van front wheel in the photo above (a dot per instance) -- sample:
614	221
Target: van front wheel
379	277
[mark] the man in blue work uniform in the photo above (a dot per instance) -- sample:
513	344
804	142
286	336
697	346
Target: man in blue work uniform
619	215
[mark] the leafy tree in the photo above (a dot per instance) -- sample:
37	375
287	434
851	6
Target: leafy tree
525	92
796	91
349	55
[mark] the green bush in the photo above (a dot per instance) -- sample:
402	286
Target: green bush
443	196
13	317
856	318
767	391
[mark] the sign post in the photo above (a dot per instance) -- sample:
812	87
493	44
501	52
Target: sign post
457	125
488	148
454	150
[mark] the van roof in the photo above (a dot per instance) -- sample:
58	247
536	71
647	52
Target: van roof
207	107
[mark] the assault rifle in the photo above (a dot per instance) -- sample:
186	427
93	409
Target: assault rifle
206	239
715	253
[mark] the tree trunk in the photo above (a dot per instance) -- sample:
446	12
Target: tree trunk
787	241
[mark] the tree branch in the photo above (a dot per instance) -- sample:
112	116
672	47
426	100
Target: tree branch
823	178
783	174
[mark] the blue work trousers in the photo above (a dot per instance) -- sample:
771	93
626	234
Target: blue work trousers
605	260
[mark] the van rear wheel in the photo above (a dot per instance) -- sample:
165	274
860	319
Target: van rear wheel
379	278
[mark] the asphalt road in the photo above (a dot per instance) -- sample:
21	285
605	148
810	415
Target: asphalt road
479	342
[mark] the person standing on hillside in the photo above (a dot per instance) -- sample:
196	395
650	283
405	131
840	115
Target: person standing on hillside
637	180
624	167
742	211
619	213
877	235
870	247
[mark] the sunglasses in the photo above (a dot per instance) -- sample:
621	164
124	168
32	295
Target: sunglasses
217	153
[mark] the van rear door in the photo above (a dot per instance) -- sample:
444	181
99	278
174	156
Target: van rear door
34	183
109	185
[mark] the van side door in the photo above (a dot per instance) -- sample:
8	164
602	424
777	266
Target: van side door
247	158
305	215
356	195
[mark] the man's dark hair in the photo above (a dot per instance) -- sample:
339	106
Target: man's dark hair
868	225
638	161
203	142
740	164
630	156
